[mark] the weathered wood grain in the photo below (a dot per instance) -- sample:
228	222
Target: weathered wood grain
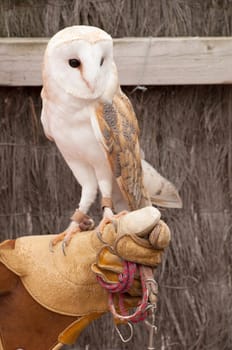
140	61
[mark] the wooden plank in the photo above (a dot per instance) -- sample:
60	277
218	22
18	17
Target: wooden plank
21	61
140	61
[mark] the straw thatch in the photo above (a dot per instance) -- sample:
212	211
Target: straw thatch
186	132
118	17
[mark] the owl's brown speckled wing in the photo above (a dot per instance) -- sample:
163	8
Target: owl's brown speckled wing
119	135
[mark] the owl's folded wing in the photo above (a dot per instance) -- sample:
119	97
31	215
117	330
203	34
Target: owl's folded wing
117	130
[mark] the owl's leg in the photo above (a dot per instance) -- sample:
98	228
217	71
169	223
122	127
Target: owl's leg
106	183
105	180
80	220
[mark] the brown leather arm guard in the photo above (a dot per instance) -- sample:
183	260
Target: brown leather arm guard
67	285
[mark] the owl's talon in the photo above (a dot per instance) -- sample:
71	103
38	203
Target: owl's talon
51	246
108	218
64	245
108	213
122	213
65	237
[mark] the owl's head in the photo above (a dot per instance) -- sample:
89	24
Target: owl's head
79	59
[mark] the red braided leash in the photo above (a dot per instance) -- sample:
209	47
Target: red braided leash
125	281
145	309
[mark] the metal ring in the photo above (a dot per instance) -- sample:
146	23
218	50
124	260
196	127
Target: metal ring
124	340
149	282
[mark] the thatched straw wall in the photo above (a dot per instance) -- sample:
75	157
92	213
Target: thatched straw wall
118	17
186	134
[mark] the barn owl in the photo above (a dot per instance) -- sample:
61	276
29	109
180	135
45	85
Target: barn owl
95	128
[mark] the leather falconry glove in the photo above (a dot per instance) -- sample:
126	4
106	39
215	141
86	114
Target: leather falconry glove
72	285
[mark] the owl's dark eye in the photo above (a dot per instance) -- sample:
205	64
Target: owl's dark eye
102	61
74	62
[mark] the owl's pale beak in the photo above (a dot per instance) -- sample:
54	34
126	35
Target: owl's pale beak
87	83
91	88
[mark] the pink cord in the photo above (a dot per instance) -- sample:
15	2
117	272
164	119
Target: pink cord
125	281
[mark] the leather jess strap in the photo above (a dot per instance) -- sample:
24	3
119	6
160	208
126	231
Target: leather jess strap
106	202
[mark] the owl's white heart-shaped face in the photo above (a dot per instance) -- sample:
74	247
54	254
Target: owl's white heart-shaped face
80	60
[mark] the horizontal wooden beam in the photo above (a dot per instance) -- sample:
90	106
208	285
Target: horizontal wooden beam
140	61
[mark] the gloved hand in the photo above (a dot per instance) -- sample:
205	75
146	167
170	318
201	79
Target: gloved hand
138	237
67	285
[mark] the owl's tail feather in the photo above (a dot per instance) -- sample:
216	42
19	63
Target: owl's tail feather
162	192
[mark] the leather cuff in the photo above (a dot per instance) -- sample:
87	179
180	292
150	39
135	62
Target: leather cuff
106	202
78	216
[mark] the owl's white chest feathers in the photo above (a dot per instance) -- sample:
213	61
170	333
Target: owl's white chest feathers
72	130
